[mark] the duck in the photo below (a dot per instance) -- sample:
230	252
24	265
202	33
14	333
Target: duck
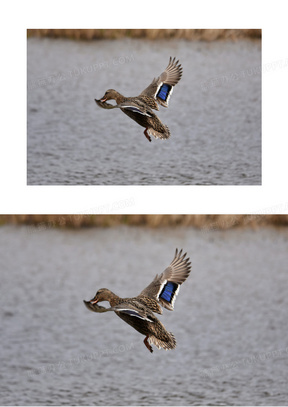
139	311
139	108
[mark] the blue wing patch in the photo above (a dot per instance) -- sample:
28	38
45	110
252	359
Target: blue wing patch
163	92
168	291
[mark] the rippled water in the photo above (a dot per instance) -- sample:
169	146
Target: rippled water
214	114
230	318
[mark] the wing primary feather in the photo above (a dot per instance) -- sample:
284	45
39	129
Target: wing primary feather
133	313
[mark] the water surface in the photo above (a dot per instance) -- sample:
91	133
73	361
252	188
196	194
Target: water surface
230	318
214	114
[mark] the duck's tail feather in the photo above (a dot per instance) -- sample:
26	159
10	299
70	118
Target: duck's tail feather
167	345
163	135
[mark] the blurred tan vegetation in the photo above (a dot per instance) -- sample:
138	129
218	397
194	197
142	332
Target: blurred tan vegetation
217	222
151	34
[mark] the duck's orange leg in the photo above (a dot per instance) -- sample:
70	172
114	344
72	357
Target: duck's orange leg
148	137
146	343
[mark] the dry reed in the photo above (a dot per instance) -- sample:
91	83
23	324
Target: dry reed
217	222
151	34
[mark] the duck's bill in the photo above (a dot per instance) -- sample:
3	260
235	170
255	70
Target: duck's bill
102	103
94	306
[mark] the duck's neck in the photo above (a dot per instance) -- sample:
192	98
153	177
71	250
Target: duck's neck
119	98
113	299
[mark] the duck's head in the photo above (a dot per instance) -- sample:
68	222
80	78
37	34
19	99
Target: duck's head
102	295
109	94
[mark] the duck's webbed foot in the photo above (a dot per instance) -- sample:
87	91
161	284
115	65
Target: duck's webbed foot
146	343
148	137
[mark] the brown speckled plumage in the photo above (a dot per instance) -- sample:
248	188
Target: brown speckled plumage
139	108
138	311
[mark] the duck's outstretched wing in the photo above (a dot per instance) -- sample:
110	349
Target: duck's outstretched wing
96	307
138	108
137	310
165	287
105	105
161	88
